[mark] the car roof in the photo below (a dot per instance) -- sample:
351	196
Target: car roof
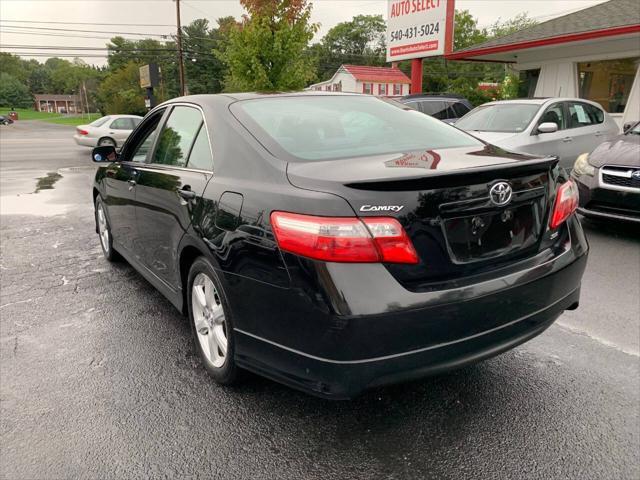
122	116
541	101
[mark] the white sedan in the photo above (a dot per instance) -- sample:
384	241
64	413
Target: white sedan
109	130
566	127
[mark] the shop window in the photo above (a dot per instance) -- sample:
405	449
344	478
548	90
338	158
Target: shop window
367	88
397	89
382	89
528	83
607	82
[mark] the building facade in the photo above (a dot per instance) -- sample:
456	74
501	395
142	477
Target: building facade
593	53
57	103
383	81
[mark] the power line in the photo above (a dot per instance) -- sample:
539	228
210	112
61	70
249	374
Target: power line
87	31
92	23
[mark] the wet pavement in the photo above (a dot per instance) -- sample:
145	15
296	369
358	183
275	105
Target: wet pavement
98	377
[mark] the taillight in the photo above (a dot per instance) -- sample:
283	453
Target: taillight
343	239
82	132
565	204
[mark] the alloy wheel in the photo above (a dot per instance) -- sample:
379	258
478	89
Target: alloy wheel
103	228
209	319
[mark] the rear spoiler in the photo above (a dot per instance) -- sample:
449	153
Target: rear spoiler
453	178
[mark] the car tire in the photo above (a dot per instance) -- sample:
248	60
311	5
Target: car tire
104	232
107	142
211	322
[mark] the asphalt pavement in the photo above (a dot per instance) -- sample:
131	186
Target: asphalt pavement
99	379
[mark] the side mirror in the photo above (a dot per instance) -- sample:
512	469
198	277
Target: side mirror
628	126
548	127
104	154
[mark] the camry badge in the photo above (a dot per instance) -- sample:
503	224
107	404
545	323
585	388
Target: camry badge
636	175
500	193
381	208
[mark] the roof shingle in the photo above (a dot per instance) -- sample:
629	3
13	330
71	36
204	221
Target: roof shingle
607	15
377	74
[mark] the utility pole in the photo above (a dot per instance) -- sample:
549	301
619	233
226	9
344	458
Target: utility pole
179	43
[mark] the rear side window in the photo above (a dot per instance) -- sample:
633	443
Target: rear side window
200	156
121	124
436	109
460	109
583	115
177	136
135	121
324	128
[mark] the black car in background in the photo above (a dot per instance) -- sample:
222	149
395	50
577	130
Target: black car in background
447	107
609	178
337	242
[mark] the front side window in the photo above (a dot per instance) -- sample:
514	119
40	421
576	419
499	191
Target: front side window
554	114
608	82
177	136
499	117
324	128
139	145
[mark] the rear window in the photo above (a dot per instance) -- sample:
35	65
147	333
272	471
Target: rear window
324	128
100	121
504	117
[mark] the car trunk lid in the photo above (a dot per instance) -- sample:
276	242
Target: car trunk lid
442	198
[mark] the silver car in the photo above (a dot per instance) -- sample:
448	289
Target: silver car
109	130
566	127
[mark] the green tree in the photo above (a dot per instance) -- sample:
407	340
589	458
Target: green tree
266	52
120	92
500	28
14	93
360	41
204	71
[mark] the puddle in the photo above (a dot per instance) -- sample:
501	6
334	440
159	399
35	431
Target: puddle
47	183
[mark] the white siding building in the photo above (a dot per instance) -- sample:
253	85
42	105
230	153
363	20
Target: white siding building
593	53
385	81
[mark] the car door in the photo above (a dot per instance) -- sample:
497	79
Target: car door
119	129
169	189
585	127
552	143
120	182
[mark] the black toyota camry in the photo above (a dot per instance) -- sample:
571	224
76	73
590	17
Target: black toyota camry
337	242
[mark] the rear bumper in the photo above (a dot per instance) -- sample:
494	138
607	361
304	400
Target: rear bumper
85	141
388	334
346	379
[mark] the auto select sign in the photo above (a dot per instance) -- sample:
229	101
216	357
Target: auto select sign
419	28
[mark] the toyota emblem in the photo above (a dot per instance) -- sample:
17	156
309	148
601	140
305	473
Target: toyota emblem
500	193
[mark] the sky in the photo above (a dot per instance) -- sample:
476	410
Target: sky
111	14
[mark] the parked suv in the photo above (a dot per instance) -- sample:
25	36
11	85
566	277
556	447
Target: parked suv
447	107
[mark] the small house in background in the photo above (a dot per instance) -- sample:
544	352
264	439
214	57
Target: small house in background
384	81
57	103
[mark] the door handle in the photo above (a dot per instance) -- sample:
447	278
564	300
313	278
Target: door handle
187	193
567	139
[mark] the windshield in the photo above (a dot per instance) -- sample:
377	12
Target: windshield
331	127
505	117
100	121
635	130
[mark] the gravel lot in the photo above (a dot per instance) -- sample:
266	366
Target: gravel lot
98	377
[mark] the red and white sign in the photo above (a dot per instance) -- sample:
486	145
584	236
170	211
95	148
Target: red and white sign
419	28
